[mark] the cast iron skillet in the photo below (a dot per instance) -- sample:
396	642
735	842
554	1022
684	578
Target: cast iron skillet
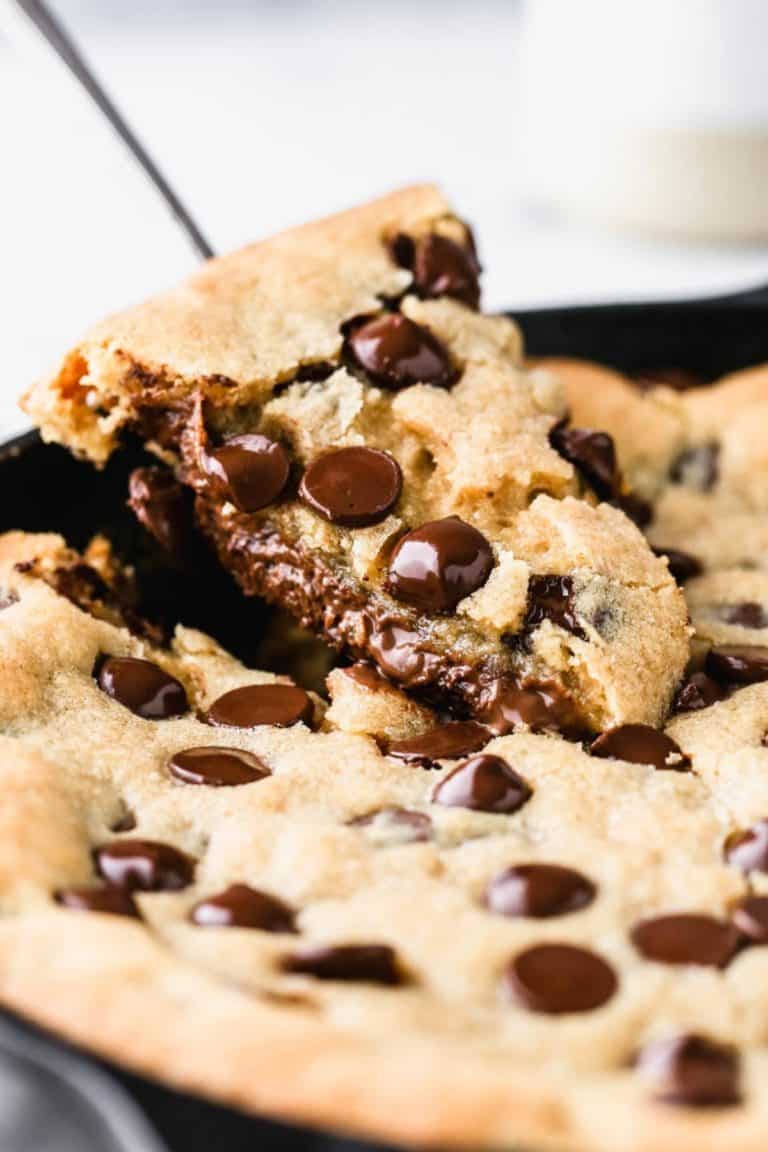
46	490
707	336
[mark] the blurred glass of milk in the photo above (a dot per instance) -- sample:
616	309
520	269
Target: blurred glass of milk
650	113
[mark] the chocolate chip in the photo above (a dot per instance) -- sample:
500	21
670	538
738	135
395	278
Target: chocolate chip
353	487
81	585
737	663
403	250
366	676
253	470
313	373
216	767
677	378
682	565
7	600
745	615
640	744
141	686
441	267
437	565
747	849
686	939
397	824
698	467
552	598
593	455
484	783
399	653
281	705
395	353
750	917
559	978
539	891
448	742
368	963
696	692
240	906
692	1070
144	865
158	501
113	901
538	706
639	511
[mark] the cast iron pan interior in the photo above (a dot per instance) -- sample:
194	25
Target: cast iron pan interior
707	337
45	490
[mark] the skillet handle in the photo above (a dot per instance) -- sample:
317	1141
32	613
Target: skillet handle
757	296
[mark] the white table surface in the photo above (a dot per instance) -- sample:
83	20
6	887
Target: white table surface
266	113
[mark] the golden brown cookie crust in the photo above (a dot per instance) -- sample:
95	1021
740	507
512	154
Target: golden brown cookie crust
221	328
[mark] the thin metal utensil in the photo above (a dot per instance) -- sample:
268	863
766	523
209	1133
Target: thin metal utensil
24	17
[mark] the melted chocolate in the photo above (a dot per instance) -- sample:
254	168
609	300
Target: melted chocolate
353	487
686	939
447	742
112	901
560	978
440	267
395	353
539	891
538	706
698	691
552	598
366	963
593	455
159	503
142	687
144	865
240	906
251	470
641	744
486	783
737	663
437	565
217	767
692	1070
281	705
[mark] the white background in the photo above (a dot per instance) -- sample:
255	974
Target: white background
266	113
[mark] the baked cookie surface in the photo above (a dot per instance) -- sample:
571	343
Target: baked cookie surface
367	450
696	452
209	876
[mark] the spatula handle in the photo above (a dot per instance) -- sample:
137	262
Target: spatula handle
38	15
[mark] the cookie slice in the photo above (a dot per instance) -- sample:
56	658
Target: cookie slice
367	451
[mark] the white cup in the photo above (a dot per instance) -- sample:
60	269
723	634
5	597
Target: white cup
650	113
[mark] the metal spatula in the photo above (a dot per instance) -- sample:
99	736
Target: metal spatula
33	25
